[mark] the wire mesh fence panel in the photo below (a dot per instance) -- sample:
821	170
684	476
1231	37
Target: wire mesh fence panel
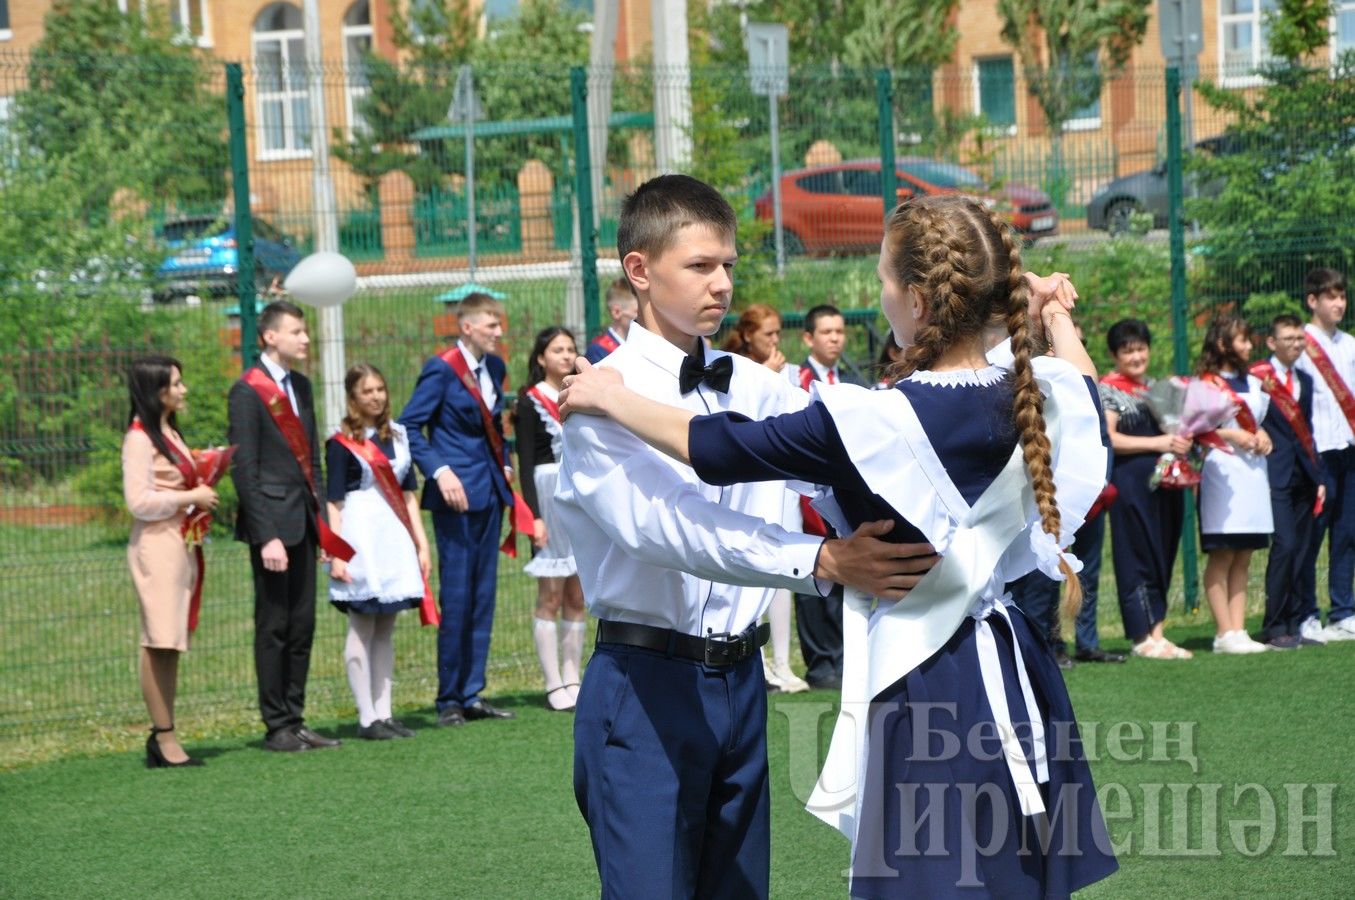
119	239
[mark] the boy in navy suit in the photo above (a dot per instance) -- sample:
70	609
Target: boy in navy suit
456	439
1296	482
623	308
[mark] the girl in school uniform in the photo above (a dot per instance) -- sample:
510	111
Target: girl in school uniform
558	592
1235	512
995	467
369	472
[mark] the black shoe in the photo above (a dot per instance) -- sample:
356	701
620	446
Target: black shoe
400	729
1062	658
377	731
824	684
482	710
552	692
452	716
155	757
313	740
1096	654
284	740
1284	642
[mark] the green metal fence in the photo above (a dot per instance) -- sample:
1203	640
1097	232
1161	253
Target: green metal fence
84	256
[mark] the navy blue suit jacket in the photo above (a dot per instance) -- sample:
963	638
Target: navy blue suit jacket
1289	457
446	429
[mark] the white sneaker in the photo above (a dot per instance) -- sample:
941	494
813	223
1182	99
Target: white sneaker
1343	630
1312	630
1252	646
1228	643
788	681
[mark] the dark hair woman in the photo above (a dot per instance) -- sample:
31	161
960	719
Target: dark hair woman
159	486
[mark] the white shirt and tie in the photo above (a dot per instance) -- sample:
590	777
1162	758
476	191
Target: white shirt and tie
1331	430
826	374
283	377
640	522
1285	376
480	372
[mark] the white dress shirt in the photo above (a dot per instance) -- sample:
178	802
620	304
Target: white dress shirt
480	373
640	521
821	371
1331	431
1282	375
278	373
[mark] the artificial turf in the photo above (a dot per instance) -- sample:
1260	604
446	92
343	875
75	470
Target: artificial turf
488	811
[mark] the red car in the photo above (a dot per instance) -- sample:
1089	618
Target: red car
838	208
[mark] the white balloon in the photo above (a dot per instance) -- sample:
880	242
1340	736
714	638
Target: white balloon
322	279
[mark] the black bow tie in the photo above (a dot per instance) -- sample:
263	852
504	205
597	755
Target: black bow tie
716	375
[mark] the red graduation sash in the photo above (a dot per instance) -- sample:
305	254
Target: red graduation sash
384	476
190	480
549	405
607	342
522	518
1287	406
1124	383
1245	420
1322	362
806	378
280	410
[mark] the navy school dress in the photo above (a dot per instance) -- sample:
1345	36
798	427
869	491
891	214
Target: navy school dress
976	841
1145	524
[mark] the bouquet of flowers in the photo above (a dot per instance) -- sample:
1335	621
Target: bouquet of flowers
210	464
1193	409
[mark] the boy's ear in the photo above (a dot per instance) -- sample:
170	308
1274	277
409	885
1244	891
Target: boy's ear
1311	301
636	268
807	338
1270	342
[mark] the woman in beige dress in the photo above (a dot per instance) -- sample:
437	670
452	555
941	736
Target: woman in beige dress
164	569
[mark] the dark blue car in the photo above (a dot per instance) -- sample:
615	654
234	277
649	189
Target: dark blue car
205	261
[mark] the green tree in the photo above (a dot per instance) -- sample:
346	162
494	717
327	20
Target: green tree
1067	49
100	74
1298	28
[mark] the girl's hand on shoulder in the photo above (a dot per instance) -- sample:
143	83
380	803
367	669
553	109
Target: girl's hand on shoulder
589	391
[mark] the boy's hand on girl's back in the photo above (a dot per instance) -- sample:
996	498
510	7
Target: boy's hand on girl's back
873	566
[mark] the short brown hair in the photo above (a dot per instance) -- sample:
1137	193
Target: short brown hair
619	292
1321	280
478	302
651	217
268	318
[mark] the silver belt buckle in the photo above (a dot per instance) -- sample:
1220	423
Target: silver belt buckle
722	649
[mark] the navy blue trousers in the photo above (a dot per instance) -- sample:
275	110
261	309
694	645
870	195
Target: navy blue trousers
670	772
1337	524
1286	605
468	566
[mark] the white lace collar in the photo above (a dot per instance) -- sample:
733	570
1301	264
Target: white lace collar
960	377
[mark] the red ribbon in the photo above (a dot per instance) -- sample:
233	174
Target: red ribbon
280	409
1288	407
607	342
1245	420
1338	387
806	377
522	518
549	405
384	476
200	519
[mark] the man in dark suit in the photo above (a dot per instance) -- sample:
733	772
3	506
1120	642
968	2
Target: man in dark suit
275	480
818	620
456	438
1296	483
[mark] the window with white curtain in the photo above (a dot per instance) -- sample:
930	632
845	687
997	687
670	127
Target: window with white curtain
283	106
357	44
1343	27
1244	38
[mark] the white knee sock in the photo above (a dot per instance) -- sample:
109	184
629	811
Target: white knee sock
571	649
779	616
545	633
382	665
357	655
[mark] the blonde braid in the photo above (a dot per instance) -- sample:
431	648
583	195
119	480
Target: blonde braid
1028	411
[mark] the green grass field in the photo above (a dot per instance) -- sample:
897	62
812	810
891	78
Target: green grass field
488	810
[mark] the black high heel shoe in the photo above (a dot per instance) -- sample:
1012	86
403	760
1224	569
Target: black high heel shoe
155	759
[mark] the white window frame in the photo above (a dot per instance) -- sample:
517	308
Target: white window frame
354	92
1260	51
184	8
1009	130
1341	6
286	95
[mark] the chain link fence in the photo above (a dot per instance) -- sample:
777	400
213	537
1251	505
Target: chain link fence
119	238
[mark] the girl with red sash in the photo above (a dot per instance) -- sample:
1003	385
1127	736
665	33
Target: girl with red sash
372	503
160	486
1145	524
558	592
1235	511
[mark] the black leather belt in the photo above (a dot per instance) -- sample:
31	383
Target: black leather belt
713	649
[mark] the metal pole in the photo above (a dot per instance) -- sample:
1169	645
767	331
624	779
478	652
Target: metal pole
1176	222
468	105
583	193
884	97
244	227
325	215
773	104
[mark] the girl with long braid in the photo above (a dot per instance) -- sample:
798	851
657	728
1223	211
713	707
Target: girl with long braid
955	766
